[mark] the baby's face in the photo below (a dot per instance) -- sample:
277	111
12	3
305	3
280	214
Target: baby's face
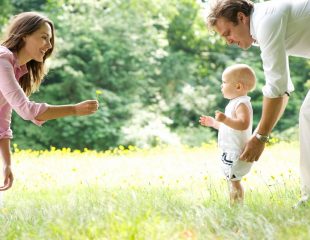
229	87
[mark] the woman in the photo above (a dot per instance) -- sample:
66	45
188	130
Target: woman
30	41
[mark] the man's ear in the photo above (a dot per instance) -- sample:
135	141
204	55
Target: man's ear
241	17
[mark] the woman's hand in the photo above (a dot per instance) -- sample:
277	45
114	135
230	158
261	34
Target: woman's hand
8	178
86	107
5	154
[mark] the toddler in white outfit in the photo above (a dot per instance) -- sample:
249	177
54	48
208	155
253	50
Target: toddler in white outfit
234	126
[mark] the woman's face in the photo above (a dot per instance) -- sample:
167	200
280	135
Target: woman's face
37	43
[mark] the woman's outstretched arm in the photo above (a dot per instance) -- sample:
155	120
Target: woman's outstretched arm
58	111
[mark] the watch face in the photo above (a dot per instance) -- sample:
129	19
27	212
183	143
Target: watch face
262	138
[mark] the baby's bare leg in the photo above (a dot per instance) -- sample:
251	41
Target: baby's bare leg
236	192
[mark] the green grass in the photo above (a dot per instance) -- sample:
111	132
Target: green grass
162	193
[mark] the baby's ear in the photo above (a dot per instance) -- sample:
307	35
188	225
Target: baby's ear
239	86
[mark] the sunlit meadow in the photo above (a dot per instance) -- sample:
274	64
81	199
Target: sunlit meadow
160	193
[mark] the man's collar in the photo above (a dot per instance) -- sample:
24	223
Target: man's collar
252	29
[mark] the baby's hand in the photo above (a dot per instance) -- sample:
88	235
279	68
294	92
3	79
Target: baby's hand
219	116
207	121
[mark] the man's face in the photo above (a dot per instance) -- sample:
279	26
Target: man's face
235	34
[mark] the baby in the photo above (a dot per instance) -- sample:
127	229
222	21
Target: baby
234	126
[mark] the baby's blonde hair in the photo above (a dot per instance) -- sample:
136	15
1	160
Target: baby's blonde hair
242	73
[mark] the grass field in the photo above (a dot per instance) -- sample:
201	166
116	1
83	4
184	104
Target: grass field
160	193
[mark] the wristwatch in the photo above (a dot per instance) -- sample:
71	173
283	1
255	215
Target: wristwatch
262	138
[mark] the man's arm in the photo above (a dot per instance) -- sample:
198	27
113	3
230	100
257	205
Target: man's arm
273	108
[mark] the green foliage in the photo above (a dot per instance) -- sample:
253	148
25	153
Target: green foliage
5	11
28	5
195	136
148	127
36	5
151	59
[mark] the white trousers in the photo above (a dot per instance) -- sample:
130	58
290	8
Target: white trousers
304	138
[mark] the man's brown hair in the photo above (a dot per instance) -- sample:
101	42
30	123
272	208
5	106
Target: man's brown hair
227	9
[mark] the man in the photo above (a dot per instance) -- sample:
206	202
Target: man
280	29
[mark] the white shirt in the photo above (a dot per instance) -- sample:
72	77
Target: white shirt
281	29
231	140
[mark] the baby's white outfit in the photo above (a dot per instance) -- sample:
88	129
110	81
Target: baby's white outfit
232	142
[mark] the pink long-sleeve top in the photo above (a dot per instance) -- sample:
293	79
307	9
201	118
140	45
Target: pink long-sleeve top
12	95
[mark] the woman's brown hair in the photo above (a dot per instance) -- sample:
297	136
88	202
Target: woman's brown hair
22	25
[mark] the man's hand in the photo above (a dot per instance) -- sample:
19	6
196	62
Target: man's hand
8	178
253	150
